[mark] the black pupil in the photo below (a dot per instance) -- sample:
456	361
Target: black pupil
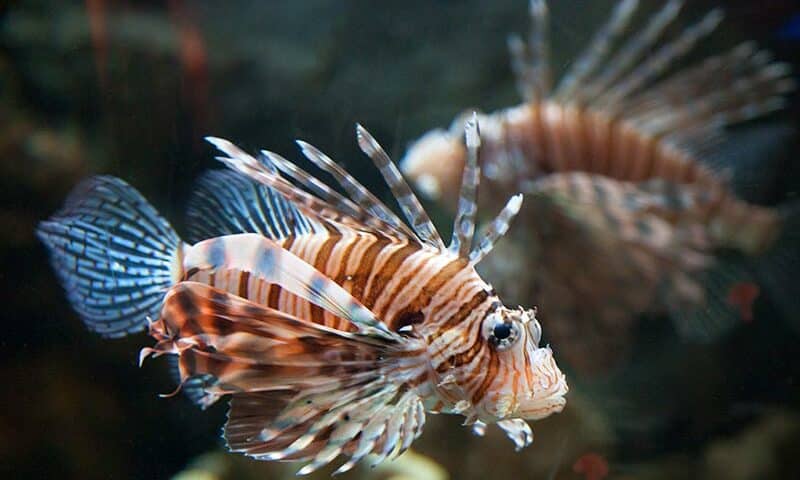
502	330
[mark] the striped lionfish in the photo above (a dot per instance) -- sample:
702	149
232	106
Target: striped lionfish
332	324
626	211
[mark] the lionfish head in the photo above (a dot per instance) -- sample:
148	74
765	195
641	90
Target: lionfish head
504	375
528	384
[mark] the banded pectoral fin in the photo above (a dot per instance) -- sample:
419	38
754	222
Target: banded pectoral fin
266	259
300	391
516	429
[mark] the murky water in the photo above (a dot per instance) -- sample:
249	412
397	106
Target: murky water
131	88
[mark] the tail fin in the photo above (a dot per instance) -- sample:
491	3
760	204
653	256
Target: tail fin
114	254
779	266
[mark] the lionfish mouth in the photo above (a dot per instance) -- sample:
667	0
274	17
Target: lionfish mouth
536	408
549	395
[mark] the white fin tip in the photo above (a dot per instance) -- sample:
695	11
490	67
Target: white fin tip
472	132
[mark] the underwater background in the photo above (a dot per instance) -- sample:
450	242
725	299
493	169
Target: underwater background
131	88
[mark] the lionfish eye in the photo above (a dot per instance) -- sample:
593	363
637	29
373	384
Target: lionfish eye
500	332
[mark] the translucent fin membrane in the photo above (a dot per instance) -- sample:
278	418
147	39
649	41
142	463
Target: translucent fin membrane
226	202
310	205
353	187
115	255
313	185
662	58
320	203
630	81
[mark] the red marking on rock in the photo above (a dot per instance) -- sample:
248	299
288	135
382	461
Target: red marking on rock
741	296
194	59
98	32
592	465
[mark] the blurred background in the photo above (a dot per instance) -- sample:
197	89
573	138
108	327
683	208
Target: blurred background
130	88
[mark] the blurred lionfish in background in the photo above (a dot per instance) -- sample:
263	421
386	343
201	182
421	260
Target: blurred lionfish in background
629	206
330	322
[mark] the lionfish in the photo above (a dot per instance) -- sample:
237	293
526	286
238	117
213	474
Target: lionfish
627	213
332	325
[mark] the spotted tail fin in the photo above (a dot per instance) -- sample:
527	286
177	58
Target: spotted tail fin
114	254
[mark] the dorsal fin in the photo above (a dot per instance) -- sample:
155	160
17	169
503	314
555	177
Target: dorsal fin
663	58
464	223
598	48
496	229
408	201
531	61
310	205
226	202
321	203
357	192
622	60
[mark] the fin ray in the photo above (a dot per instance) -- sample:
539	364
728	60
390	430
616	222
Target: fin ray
408	201
114	254
227	203
312	411
597	50
464	223
310	205
357	192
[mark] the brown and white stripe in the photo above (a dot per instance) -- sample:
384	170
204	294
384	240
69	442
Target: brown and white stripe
404	281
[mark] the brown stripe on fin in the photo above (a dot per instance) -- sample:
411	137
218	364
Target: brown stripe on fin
300	390
268	260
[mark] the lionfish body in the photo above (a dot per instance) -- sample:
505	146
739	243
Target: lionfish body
625	206
331	323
